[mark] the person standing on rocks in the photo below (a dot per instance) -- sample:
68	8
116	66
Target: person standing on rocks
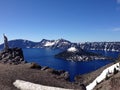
6	46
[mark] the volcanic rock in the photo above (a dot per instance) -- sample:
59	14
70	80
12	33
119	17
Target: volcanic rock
12	56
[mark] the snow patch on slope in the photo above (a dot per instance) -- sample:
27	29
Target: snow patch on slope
72	49
103	75
49	44
24	85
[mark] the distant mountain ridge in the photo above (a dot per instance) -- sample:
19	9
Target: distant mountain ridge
44	43
105	46
64	44
20	43
54	44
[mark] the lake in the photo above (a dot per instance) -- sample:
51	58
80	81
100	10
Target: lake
45	57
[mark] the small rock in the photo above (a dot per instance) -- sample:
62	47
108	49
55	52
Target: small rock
44	68
65	75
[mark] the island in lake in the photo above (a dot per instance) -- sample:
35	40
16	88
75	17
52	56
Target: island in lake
78	54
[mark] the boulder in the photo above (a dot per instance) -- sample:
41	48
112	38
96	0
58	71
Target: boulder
65	75
78	79
83	87
58	72
50	70
35	66
61	74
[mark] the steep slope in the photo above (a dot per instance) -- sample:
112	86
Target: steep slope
112	83
105	78
105	75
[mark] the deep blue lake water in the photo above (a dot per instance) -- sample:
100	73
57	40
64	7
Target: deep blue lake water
45	57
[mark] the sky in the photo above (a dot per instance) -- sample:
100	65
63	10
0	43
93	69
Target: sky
74	20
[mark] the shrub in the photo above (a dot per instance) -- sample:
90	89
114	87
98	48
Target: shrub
107	77
115	71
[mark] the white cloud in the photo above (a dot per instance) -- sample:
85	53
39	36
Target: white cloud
116	29
118	1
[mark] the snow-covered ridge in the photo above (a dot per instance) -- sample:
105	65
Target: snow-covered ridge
24	85
55	44
64	44
72	49
104	46
107	72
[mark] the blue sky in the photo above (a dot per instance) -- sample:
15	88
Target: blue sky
74	20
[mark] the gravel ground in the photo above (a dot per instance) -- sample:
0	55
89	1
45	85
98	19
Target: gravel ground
10	73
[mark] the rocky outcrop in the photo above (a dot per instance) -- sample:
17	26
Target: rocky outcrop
59	74
12	56
6	46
